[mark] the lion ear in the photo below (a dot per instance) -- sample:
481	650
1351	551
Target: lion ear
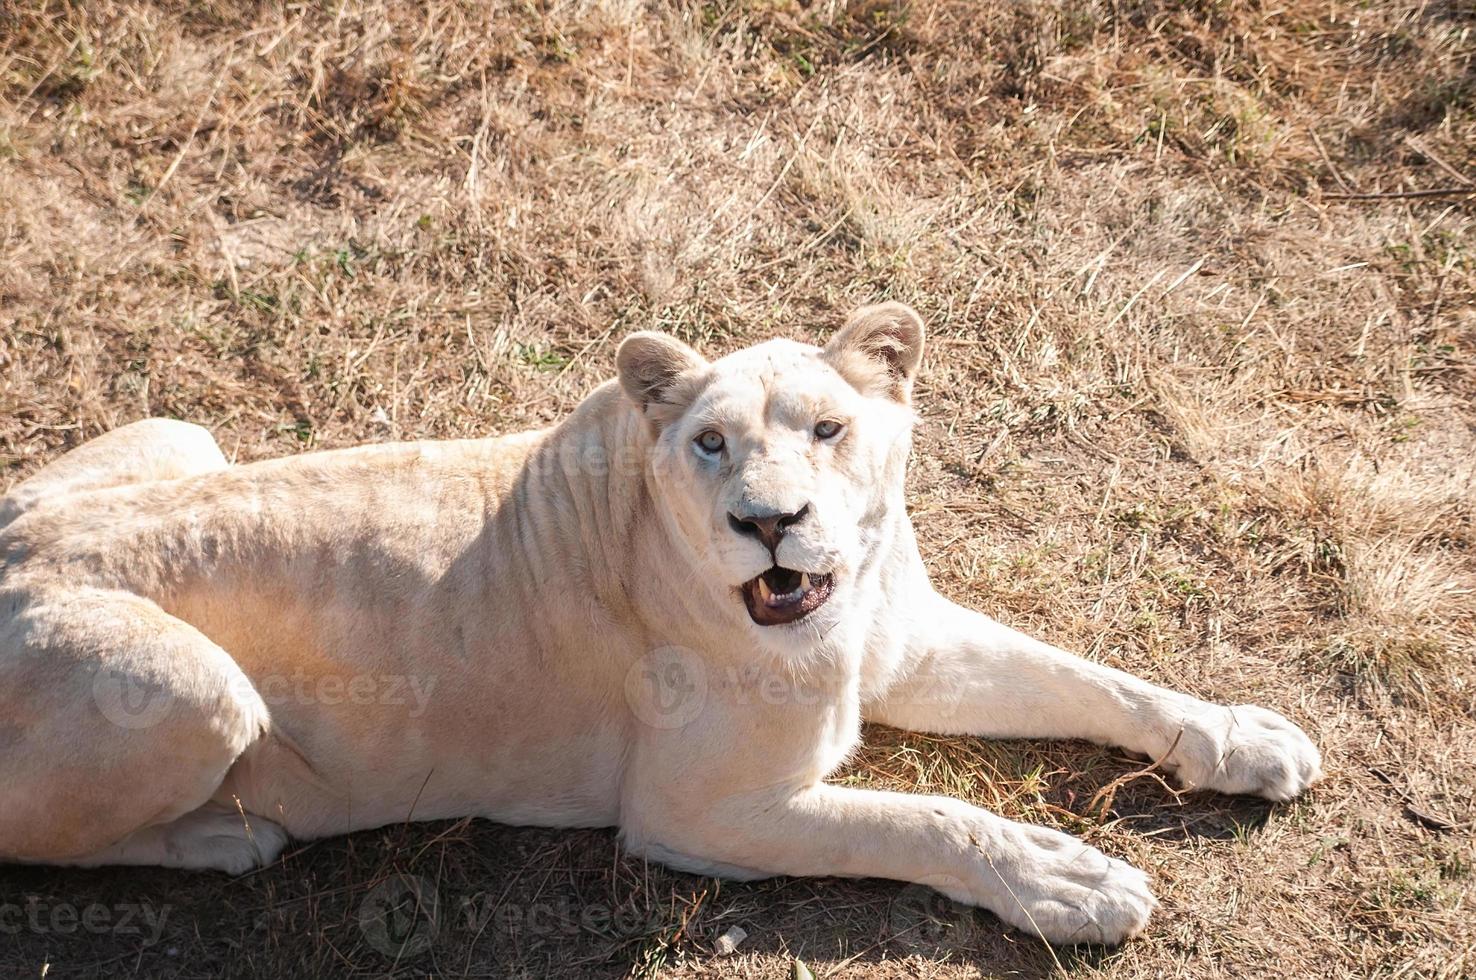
650	365
879	349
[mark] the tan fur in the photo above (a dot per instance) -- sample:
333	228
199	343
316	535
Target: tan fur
198	660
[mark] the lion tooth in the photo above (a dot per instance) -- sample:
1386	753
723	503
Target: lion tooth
763	590
804	582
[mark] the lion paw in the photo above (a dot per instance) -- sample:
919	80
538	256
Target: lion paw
1070	893
1246	750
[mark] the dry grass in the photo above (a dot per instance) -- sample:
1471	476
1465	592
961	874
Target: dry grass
1200	400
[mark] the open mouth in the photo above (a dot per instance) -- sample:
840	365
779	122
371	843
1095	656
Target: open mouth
783	595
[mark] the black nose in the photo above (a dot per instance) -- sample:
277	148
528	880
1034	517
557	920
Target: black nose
768	528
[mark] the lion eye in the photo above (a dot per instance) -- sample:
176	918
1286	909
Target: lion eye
828	429
710	442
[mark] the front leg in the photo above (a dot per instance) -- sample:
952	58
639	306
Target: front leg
964	673
1041	881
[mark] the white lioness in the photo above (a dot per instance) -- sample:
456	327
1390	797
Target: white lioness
669	613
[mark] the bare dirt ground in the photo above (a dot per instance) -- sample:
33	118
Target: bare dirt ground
1201	282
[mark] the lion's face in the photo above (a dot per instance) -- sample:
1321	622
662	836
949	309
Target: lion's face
777	465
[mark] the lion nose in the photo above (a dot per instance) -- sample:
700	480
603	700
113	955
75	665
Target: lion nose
768	528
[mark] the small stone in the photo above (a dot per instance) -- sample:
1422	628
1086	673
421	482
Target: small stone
730	940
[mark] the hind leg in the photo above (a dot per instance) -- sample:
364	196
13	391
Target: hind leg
216	836
119	723
150	449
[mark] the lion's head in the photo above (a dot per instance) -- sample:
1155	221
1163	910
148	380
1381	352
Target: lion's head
778	465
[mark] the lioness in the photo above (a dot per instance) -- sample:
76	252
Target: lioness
669	613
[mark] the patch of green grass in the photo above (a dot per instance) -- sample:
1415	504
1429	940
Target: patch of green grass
541	358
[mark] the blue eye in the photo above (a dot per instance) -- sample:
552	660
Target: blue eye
710	442
828	429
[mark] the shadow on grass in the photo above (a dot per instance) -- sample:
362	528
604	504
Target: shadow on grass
471	898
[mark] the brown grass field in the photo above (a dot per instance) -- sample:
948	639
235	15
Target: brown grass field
1199	402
